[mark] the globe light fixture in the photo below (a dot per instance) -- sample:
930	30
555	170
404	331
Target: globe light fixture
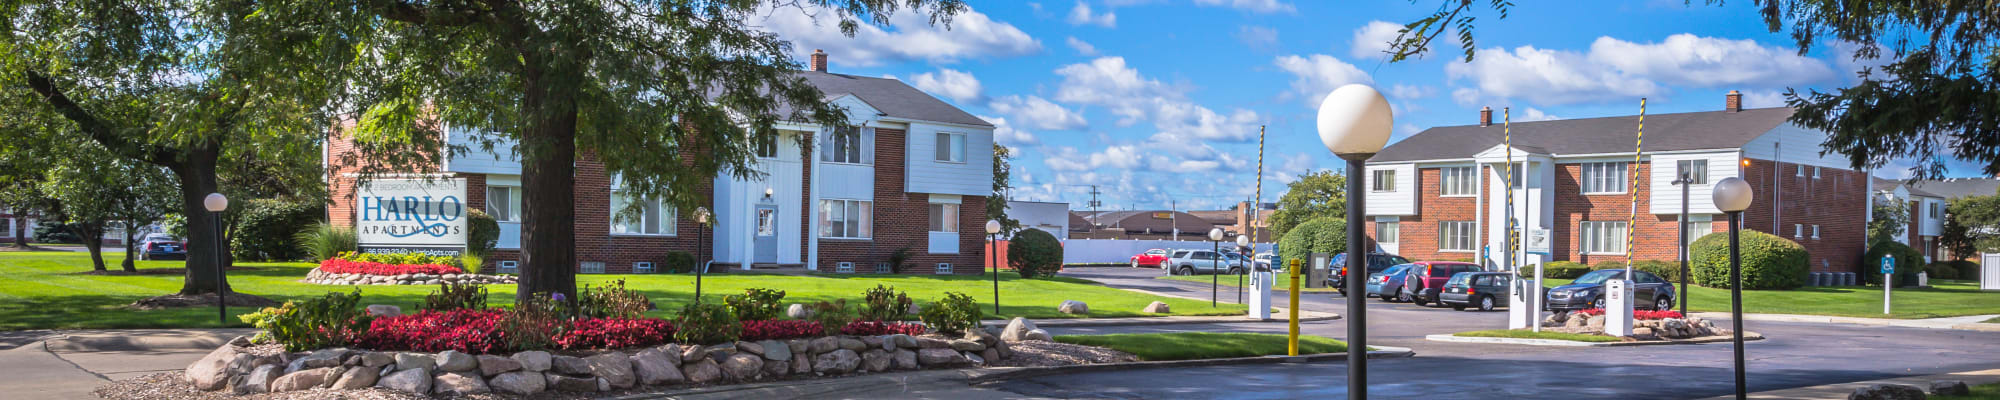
1733	195
1354	124
992	227
1355	119
1243	240
215	202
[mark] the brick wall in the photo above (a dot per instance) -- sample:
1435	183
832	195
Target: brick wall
1654	237
1417	237
1836	201
902	221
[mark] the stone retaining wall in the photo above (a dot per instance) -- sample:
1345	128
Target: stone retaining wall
318	276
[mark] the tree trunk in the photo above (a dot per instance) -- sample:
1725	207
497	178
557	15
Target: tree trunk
20	231
130	230
548	146
197	176
93	240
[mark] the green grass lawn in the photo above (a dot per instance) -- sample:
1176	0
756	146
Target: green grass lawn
1526	334
1990	391
45	290
1203	345
1228	282
1942	299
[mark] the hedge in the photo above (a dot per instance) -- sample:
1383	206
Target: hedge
1907	262
1557	270
1670	270
267	230
1035	253
1967	270
1319	235
1941	271
1769	262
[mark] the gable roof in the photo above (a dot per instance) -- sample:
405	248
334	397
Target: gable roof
1664	132
892	97
1957	187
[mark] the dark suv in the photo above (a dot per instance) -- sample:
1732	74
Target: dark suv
1425	279
1336	276
1649	291
1484	290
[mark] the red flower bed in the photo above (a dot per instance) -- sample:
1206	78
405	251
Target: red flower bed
340	266
876	328
779	330
1638	314
616	333
477	332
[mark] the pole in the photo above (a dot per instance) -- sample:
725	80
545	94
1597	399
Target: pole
1686	275
1357	267
1885	293
700	267
993	252
221	290
1214	277
1736	301
1256	210
1292	315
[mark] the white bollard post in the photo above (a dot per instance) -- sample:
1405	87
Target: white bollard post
1618	307
1260	295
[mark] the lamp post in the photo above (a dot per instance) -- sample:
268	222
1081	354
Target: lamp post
1244	241
1733	195
1354	123
1214	281
216	203
993	252
1684	182
701	237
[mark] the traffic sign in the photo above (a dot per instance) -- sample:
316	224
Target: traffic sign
1889	264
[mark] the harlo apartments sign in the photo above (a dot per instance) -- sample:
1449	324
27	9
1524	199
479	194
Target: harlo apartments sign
410	215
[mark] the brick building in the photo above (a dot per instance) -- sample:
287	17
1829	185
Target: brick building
1929	201
910	176
1441	195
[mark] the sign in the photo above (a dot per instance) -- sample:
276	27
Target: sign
1163	215
410	215
1538	241
1888	264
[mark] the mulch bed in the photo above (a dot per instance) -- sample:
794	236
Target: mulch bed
150	271
201	300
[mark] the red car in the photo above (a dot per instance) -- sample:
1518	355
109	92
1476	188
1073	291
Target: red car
1150	259
1424	280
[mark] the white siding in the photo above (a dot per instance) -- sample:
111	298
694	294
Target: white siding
1793	144
476	158
1400	202
925	174
1666	197
1929	226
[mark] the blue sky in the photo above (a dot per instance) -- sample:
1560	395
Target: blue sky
1158	102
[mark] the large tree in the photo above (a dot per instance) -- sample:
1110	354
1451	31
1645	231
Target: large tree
996	203
1319	194
1972	226
666	94
1935	97
1891	218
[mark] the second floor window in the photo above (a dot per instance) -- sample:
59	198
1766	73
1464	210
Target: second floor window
767	148
951	147
1457	181
1696	171
1382	180
844	146
1936	211
1601	178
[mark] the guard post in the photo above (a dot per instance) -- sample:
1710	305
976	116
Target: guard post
1292	343
1888	279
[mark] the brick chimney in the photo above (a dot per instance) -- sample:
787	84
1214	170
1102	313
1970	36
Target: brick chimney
1486	116
819	60
1735	102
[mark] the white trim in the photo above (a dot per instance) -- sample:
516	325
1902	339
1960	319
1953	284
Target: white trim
947	199
908	121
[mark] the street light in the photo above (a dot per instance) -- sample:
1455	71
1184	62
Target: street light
1684	181
993	252
701	238
216	203
1733	195
1215	250
1243	240
1354	123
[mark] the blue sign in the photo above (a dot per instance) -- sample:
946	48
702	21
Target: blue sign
1888	264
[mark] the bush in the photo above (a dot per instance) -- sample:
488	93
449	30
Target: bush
1319	235
533	323
615	333
1941	271
878	328
756	304
678	262
951	315
832	316
456	296
706	323
885	304
340	266
482	233
611	301
324	241
1670	270
899	260
1769	262
1035	253
1906	261
332	320
1558	270
268	229
1967	270
779	329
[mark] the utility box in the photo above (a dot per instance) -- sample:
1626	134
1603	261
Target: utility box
1618	307
1260	295
1321	267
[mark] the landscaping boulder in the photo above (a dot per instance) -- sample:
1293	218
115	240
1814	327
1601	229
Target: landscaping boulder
991	354
653	367
876	360
302	380
742	367
802	364
384	311
454	361
566	383
534	361
776	350
913	309
1887	392
460	382
799	346
836	362
966	345
852	344
490	365
318	359
415	380
1005	350
672	352
939	357
750	348
614	367
570	365
905	359
416	361
974	358
212	372
1041	335
981	336
873	342
825	344
798	312
1950	388
693	353
1595	321
376	359
357	378
931	343
519	382
901	341
1073	307
259	380
701	371
721	351
1158	307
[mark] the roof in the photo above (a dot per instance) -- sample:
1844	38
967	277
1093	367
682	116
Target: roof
890	96
1957	187
1664	132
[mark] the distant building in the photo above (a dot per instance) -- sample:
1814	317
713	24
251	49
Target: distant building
1929	201
1050	217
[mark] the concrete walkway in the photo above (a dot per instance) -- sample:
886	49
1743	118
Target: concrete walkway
1841	390
1970	323
71	364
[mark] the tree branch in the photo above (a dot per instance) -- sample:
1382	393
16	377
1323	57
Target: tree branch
400	11
98	130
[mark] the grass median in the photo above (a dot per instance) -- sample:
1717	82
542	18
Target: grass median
1942	299
1229	281
1204	345
1990	391
52	290
1525	334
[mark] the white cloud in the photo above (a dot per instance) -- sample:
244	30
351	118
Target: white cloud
1686	59
1260	6
1763	98
1545	77
1082	47
1530	114
1257	36
1039	113
1617	69
1372	40
1007	135
910	36
1316	75
1109	83
956	85
1081	15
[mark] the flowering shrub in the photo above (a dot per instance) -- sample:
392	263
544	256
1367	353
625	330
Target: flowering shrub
774	329
479	332
877	328
614	333
1638	314
343	266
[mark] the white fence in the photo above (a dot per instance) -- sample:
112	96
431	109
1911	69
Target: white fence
1102	251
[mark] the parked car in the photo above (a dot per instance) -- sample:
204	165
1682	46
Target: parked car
160	246
1190	262
1377	262
1154	258
1482	290
1425	279
1268	262
1388	283
1587	291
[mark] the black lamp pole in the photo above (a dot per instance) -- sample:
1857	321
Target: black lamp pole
1736	301
1357	267
993	252
1214	281
1686	275
700	250
221	283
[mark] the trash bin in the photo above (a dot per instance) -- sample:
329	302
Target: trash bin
1847	279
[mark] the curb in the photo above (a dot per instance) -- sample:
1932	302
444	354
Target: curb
992	375
1841	390
1982	327
1446	337
812	386
1170	320
1902	323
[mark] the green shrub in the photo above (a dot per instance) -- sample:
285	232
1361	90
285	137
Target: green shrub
1941	271
332	320
899	260
832	316
456	296
1034	252
1769	262
1558	270
678	262
1319	235
482	233
611	301
885	304
267	229
706	323
1967	270
756	304
324	241
952	315
533	323
1670	270
1907	260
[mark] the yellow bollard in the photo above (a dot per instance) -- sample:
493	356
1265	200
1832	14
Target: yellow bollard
1292	346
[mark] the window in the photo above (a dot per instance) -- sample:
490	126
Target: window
1455	235
1802	170
1383	180
1457	181
843	146
1603	178
767	148
504	203
1798	231
944	217
951	147
1935	211
847	219
1603	237
654	218
1387	231
1815	172
1696	171
592	267
1698	226
1815	232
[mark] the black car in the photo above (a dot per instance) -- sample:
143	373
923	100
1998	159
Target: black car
1484	290
1336	276
1649	291
162	247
